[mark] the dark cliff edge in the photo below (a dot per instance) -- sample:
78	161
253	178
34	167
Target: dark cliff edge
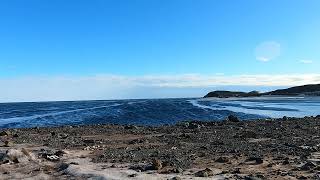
305	90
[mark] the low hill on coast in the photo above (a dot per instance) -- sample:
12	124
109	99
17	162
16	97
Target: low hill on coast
306	90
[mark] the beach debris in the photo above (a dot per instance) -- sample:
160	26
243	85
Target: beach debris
232	118
50	155
52	158
204	173
92	148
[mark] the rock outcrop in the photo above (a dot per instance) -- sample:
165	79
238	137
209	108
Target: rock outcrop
306	90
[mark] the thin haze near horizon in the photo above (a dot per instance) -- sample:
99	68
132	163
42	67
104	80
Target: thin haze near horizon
118	49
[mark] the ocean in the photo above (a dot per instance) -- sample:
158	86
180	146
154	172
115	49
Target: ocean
152	112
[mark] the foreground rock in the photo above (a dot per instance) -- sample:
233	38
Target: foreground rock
286	148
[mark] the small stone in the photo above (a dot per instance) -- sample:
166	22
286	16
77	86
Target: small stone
297	126
285	162
8	143
222	160
302	177
284	118
156	164
63	166
204	173
256	160
89	141
236	171
4	133
132	175
308	166
194	126
232	118
60	153
63	136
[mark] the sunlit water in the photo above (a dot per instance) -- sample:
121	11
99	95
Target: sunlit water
153	111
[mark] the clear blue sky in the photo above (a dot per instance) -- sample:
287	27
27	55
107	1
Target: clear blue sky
137	37
158	37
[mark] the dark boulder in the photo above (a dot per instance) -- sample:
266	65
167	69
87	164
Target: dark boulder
4	133
232	118
222	160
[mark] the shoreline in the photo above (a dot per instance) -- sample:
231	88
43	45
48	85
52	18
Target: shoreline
286	148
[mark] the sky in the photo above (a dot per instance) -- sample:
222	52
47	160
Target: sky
116	49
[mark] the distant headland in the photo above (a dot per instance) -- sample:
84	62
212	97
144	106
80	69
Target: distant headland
305	90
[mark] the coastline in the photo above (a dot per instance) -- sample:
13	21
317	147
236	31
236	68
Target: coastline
288	148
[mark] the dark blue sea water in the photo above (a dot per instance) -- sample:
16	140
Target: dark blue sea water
152	111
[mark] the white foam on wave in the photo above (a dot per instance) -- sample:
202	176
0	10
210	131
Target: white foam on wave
25	118
196	104
296	106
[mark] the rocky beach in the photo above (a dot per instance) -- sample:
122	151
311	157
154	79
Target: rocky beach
286	148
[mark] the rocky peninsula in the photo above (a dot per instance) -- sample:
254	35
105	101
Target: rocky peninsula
305	90
286	148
